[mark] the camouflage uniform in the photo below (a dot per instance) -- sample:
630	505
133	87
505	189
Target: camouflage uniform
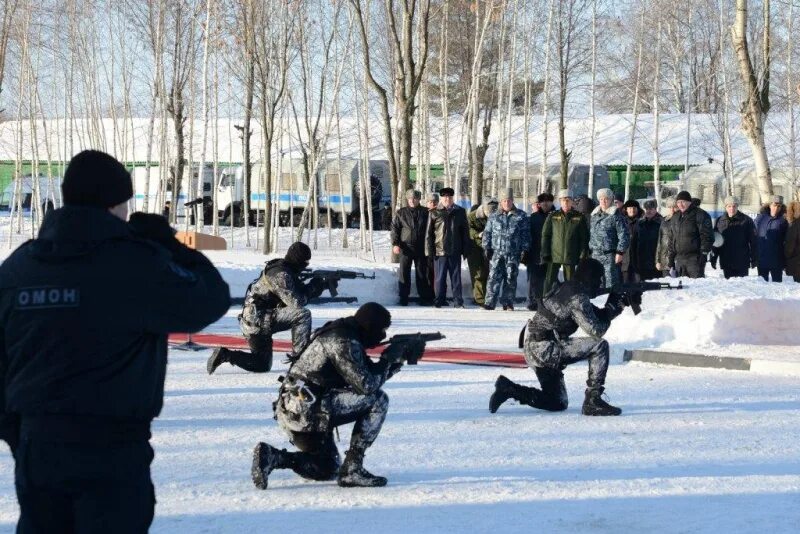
346	388
507	235
274	302
609	236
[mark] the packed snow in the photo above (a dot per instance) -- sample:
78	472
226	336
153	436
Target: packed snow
694	451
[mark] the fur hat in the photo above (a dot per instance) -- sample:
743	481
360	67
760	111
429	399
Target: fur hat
94	178
447	192
544	197
776	199
411	193
564	193
632	204
684	195
508	194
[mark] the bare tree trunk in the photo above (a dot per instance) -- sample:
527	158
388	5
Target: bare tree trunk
790	96
635	108
656	116
593	135
756	105
546	98
204	136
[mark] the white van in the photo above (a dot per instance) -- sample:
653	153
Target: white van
157	197
345	193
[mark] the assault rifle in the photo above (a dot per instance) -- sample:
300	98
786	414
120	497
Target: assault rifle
632	292
403	348
331	278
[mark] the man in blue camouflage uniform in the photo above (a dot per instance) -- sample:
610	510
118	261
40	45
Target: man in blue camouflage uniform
506	240
549	347
334	383
274	302
609	237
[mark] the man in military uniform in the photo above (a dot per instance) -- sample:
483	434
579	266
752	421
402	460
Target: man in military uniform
477	261
609	237
85	309
549	348
506	240
334	383
537	270
408	242
274	302
565	240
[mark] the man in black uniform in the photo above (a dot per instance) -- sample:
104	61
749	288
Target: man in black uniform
274	302
549	349
333	383
408	241
85	310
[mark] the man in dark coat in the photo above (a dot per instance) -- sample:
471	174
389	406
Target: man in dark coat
274	302
536	269
334	383
447	241
664	240
645	242
408	241
550	347
691	238
771	227
739	250
632	212
85	309
432	204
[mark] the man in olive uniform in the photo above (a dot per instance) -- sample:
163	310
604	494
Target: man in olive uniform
565	240
477	261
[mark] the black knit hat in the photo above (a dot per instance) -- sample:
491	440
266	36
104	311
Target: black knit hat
94	178
372	317
632	204
684	195
544	197
298	254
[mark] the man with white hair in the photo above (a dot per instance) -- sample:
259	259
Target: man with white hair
739	247
506	240
609	237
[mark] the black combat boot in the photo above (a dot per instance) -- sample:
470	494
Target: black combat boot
505	389
594	404
265	459
217	358
352	473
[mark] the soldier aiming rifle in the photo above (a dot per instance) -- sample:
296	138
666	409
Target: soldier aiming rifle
330	279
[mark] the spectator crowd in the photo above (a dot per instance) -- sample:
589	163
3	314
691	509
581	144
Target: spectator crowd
633	243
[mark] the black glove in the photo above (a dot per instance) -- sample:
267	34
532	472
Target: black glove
153	227
615	303
316	286
714	258
489	254
523	258
394	368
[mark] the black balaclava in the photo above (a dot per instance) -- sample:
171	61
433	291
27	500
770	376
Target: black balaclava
373	319
298	255
590	274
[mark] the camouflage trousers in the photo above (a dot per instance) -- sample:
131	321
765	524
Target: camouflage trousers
259	338
503	270
318	457
613	272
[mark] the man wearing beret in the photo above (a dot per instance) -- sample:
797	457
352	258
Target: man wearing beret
691	238
408	242
86	308
447	240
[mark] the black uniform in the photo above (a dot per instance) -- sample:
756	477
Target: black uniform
408	233
739	250
536	270
274	302
549	348
85	310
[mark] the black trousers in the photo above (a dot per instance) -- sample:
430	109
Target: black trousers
776	274
536	276
692	266
84	488
420	274
734	273
448	266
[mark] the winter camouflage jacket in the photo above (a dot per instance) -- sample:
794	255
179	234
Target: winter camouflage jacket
609	232
644	243
691	234
565	238
447	233
771	237
333	362
408	230
739	250
568	307
507	233
277	287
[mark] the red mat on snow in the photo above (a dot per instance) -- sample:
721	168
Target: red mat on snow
443	355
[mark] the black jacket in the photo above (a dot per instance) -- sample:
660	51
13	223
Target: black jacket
691	234
408	230
447	233
537	223
85	310
740	248
645	242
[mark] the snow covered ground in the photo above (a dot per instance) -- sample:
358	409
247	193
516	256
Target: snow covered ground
694	451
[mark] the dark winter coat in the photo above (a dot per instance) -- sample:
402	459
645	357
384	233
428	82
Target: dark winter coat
448	232
771	233
664	240
645	242
537	220
507	233
691	234
609	233
739	250
408	230
85	310
792	249
565	238
627	258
